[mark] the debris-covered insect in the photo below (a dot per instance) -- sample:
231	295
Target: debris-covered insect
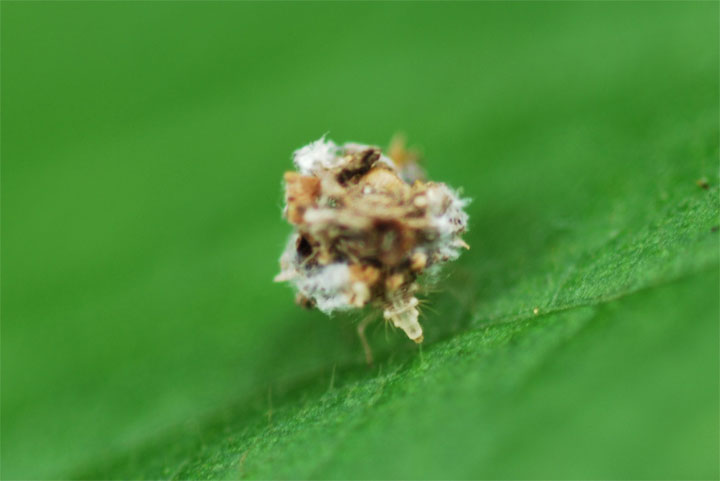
366	226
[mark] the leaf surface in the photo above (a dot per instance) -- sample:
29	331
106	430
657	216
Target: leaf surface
143	147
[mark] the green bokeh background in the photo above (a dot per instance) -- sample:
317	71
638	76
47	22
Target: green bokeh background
143	144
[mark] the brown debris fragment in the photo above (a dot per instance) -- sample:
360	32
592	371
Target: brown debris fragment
300	193
703	183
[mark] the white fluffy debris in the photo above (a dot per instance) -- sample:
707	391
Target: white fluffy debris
316	156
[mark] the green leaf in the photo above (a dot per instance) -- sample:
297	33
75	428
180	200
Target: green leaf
143	148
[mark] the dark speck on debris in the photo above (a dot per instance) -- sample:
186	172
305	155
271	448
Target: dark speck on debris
703	183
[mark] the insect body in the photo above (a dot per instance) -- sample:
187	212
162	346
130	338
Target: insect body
366	227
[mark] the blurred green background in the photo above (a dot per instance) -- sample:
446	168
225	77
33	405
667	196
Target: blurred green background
143	145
